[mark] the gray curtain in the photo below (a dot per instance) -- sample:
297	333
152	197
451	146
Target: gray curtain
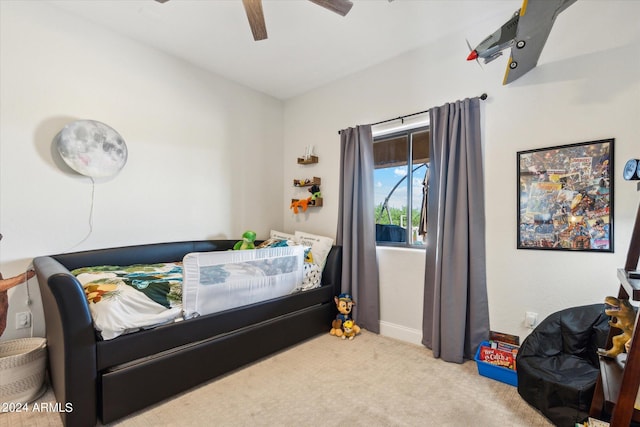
356	225
456	312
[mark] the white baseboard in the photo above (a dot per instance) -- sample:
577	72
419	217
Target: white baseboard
402	333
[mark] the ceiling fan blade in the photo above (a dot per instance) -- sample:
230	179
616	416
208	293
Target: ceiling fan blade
256	18
341	7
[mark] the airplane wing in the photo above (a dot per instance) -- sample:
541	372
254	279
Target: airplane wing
536	20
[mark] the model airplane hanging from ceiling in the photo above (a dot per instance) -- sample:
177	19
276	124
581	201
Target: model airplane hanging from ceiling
525	33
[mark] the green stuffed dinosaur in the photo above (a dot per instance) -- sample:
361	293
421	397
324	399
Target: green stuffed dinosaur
248	237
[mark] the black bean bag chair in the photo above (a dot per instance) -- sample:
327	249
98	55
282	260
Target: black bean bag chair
557	364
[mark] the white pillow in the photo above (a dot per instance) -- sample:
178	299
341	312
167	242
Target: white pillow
312	277
320	246
281	236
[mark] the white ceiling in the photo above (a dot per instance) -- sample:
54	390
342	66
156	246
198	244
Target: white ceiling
308	46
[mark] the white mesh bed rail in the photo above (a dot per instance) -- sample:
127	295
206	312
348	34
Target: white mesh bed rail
217	281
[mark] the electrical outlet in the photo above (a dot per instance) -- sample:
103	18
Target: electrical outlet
530	319
23	320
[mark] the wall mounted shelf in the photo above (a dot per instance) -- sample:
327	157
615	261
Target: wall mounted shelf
307	161
307	182
312	204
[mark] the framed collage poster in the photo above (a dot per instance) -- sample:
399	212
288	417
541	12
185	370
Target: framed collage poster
565	197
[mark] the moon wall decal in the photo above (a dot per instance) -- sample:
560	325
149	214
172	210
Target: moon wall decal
92	148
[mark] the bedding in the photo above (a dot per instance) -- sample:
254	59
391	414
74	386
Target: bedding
279	235
125	299
320	245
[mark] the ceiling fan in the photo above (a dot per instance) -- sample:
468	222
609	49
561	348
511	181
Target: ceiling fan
253	8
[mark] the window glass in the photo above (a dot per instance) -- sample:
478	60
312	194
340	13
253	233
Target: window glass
401	163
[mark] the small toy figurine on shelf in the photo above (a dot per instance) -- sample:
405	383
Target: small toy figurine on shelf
315	193
308	152
296	205
308	156
306	182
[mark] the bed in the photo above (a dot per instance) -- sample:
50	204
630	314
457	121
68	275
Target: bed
106	379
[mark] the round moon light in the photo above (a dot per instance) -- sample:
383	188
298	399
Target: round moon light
92	148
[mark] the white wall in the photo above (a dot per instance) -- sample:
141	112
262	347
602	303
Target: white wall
205	154
216	148
586	87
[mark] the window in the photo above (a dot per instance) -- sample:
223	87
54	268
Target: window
401	163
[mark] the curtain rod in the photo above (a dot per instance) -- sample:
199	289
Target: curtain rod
482	97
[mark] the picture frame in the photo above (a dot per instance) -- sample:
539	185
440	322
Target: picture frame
565	197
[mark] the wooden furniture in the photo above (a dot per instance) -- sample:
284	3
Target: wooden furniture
316	202
307	161
617	385
307	182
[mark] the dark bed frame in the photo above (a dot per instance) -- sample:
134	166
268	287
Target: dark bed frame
107	380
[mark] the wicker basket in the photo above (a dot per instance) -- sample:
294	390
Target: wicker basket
22	369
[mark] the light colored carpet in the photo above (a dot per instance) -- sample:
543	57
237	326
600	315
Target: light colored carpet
326	381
